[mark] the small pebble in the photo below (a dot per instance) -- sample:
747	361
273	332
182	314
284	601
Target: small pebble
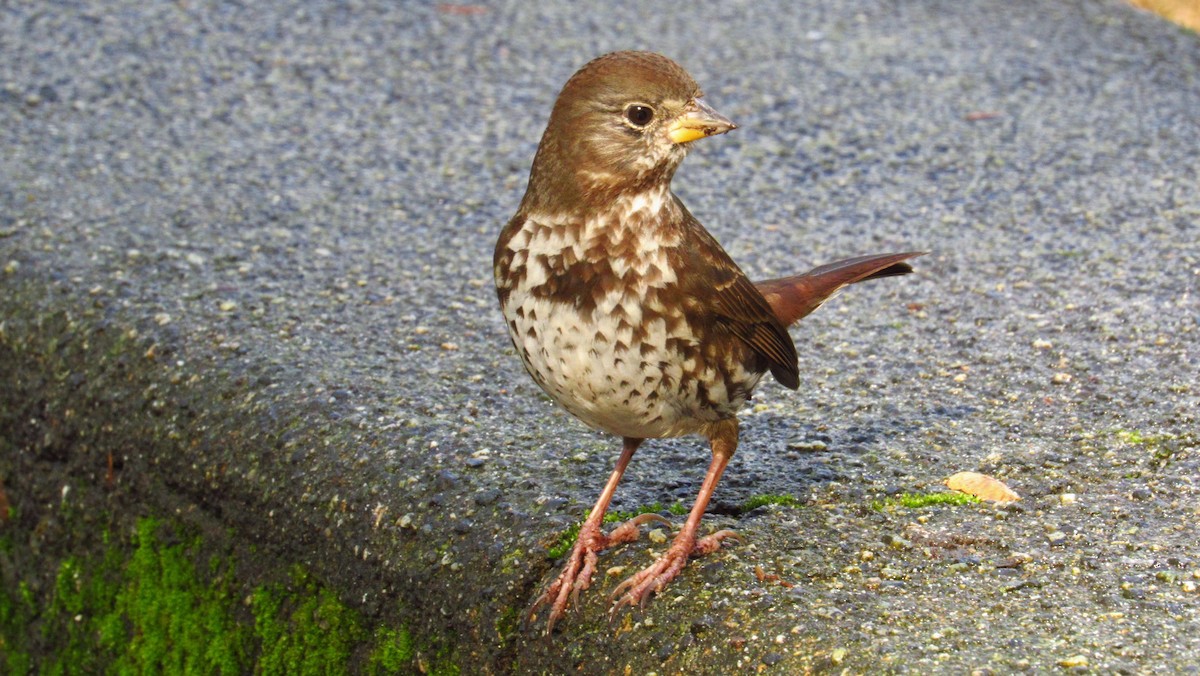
1061	378
1074	661
664	653
657	536
1067	498
487	496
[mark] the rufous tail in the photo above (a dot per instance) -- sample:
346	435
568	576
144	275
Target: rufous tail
792	298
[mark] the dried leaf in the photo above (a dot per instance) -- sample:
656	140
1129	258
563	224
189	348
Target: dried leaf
461	10
1183	12
977	115
981	486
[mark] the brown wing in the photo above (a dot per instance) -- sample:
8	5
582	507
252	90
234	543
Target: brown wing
737	304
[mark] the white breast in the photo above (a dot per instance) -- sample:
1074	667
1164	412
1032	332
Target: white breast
593	361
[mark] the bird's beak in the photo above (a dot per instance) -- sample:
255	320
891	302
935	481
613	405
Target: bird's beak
697	121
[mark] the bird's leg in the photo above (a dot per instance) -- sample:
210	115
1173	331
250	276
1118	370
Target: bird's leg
577	574
650	580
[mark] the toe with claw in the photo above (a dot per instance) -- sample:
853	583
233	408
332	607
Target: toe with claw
638	588
577	573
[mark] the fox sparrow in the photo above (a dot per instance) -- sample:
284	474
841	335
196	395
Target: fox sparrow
626	311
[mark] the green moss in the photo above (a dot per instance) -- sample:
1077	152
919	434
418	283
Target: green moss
769	499
306	630
148	614
1135	437
564	542
511	560
443	663
508	623
180	623
153	607
1163	447
617	516
79	612
16	613
393	651
919	500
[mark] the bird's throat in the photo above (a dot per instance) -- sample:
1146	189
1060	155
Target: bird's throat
636	226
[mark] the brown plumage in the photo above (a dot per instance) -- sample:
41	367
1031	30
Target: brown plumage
626	311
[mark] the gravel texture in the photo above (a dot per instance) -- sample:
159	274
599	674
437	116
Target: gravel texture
247	247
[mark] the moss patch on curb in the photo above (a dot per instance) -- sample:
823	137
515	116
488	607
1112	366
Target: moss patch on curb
157	604
920	500
17	609
756	501
1165	447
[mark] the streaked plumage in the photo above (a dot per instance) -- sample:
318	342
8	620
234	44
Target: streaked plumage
624	309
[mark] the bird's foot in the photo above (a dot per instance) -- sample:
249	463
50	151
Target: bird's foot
576	575
638	588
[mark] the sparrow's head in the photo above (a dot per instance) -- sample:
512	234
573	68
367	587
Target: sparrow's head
622	123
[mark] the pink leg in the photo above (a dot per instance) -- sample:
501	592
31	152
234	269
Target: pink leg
638	588
577	574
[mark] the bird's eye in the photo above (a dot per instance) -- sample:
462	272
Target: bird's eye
639	115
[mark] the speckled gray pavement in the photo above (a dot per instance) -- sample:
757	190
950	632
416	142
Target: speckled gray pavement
248	247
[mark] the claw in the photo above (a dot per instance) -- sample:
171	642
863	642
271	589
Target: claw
625	584
711	543
576	575
639	587
628	531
